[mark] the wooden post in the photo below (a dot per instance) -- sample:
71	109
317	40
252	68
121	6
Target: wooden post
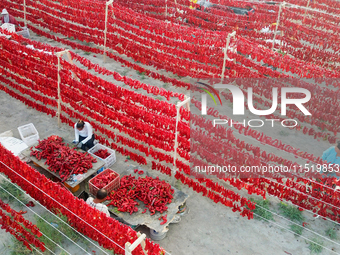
25	22
142	244
130	247
278	22
59	54
179	105
105	31
304	16
225	53
188	103
225	58
178	115
59	97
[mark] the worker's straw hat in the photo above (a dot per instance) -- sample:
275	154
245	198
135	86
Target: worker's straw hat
4	12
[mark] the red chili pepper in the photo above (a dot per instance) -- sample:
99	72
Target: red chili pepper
61	158
102	153
164	220
103	179
154	193
30	204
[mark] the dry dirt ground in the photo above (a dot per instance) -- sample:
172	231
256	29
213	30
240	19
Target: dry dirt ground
208	228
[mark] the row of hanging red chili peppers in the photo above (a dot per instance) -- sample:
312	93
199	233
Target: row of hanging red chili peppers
323	125
294	63
22	229
317	134
126	141
56	198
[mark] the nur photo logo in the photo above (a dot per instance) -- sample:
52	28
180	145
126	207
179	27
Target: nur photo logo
208	92
238	104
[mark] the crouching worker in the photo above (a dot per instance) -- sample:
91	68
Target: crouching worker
84	135
7	18
96	202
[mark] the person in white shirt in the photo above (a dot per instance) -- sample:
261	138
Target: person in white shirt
96	202
84	135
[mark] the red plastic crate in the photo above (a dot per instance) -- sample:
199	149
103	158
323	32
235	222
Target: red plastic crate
113	185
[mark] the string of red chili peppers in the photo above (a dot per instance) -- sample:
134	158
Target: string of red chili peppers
23	230
321	123
168	159
93	217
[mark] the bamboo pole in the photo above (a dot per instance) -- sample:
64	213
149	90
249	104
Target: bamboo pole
105	31
178	106
225	58
130	247
59	55
25	22
188	102
304	16
225	53
59	97
142	244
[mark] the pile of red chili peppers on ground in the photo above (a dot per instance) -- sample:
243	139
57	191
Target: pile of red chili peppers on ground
153	192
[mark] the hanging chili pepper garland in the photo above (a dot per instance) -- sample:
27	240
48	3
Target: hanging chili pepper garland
22	229
221	56
245	130
318	134
311	133
93	217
